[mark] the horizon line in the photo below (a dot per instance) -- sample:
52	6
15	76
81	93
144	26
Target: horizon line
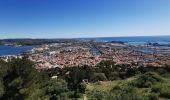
89	37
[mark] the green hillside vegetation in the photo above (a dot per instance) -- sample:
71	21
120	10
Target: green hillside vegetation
131	89
19	80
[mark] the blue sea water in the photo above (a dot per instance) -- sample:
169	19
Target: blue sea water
11	50
137	40
164	41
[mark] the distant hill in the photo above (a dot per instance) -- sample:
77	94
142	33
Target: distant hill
33	41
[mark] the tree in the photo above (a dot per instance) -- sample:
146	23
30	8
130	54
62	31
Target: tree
106	67
55	87
18	79
82	87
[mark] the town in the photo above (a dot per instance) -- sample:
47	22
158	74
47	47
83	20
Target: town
90	53
79	53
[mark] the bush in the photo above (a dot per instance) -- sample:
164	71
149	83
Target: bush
114	76
98	77
1	89
123	93
153	96
97	95
82	87
156	88
147	80
55	87
163	90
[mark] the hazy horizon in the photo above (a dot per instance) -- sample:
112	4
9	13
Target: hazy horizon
93	37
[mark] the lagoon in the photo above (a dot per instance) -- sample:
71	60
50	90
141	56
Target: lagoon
12	50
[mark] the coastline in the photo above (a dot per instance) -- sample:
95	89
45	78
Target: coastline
14	50
69	53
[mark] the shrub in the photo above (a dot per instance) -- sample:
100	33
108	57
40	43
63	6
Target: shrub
97	95
156	88
147	80
163	90
82	87
123	93
153	96
1	89
98	77
114	76
55	87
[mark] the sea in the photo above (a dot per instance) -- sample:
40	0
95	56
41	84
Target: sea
135	39
12	50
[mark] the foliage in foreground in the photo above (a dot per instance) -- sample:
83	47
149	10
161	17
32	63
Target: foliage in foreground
19	80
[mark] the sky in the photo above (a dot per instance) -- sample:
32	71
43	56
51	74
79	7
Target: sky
83	18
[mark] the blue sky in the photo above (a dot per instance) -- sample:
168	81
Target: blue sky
83	18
